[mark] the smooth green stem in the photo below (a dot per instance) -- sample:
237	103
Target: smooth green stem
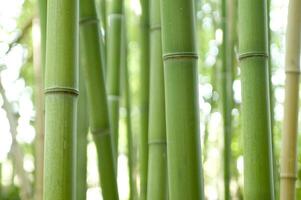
144	95
181	100
115	18
97	99
82	132
256	124
61	90
127	103
227	65
157	160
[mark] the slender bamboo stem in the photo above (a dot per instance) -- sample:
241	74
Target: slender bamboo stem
127	101
144	95
181	100
256	124
157	163
61	90
227	64
115	17
97	100
82	131
288	169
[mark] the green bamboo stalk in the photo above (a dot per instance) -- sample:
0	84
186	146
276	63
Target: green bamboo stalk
157	160
227	65
127	101
61	90
115	17
181	100
144	95
256	124
288	168
82	131
97	100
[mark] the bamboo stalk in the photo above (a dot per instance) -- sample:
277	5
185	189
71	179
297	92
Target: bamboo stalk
181	100
256	124
82	132
144	96
157	163
226	96
61	90
288	168
127	101
97	100
115	17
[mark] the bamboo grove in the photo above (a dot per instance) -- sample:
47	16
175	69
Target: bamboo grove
152	100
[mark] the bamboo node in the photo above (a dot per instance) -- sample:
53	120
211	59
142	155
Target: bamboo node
180	55
113	97
88	20
101	132
288	176
156	27
292	71
63	90
157	142
252	54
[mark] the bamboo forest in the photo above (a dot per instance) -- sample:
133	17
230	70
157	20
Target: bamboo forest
150	100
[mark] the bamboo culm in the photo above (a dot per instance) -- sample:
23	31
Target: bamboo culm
115	17
97	99
144	96
127	103
61	91
82	133
256	124
181	100
227	65
289	161
157	159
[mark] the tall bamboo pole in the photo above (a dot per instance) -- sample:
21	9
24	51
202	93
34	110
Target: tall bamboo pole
288	169
181	99
61	90
227	64
115	17
127	103
157	160
82	132
97	100
256	124
144	95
